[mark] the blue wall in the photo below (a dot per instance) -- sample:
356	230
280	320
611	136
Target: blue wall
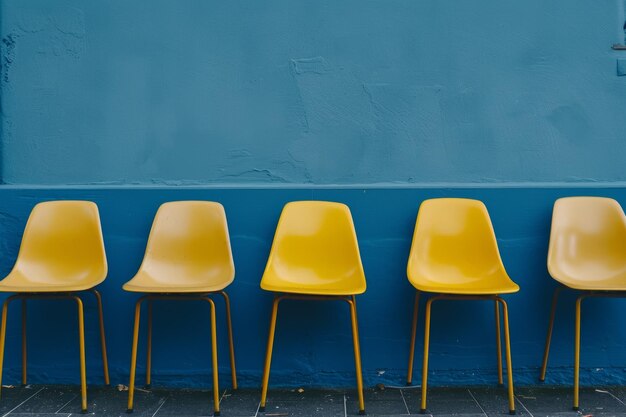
321	91
378	104
313	345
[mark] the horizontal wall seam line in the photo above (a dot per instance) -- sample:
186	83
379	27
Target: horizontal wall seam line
306	186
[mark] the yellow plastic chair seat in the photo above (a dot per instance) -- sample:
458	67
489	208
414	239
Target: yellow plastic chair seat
193	283
61	251
317	285
588	244
613	283
315	251
454	250
464	285
17	281
188	251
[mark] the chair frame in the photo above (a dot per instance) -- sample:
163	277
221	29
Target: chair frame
351	300
150	297
81	333
435	297
583	294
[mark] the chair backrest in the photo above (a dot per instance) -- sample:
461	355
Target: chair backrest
587	239
189	241
453	242
63	243
315	243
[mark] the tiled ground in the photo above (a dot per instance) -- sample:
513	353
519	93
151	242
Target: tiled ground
63	401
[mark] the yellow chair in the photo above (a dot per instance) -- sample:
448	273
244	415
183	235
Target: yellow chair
587	253
314	256
455	255
62	253
188	257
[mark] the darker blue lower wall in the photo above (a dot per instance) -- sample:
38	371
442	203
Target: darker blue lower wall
313	343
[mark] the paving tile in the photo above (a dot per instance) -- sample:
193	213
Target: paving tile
442	401
457	415
494	401
187	403
48	400
109	401
377	402
551	401
40	415
618	392
307	403
12	397
241	402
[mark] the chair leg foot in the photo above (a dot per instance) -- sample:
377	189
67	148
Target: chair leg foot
576	408
500	385
512	412
542	380
409	384
422	411
362	412
216	413
148	386
262	409
85	411
129	411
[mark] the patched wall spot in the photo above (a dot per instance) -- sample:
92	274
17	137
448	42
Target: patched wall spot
621	67
7	49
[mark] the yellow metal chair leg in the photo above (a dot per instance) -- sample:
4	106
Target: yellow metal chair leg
3	332
231	343
577	353
509	365
24	350
425	363
546	352
103	342
357	354
149	348
498	344
83	367
268	355
216	388
409	375
133	356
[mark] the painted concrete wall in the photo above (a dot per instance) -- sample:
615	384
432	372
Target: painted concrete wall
317	91
238	97
313	345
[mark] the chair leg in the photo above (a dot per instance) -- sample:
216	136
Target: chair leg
216	388
103	342
546	352
577	353
231	343
133	356
409	375
268	355
3	332
498	345
357	354
149	347
83	368
425	363
24	350
509	365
